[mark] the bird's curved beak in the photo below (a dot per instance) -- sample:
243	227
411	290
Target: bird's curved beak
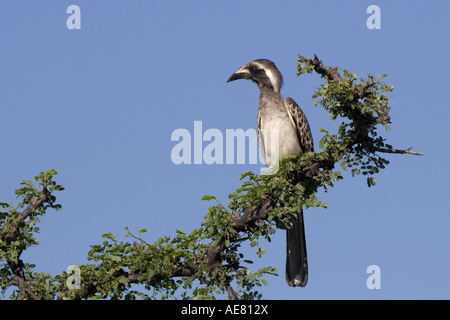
242	73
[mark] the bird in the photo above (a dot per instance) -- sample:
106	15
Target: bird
283	130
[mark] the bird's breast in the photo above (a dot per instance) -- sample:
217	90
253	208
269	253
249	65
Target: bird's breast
277	136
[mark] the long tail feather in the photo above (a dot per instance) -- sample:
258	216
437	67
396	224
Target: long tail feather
296	260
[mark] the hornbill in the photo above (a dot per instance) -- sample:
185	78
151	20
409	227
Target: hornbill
282	130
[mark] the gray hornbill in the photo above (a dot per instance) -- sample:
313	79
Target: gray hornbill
282	130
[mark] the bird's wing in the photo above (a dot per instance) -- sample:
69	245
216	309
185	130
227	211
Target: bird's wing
261	135
300	124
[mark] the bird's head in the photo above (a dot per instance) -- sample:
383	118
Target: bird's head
262	71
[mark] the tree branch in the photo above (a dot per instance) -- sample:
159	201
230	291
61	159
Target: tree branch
10	232
247	220
406	151
331	73
244	219
20	281
231	294
10	229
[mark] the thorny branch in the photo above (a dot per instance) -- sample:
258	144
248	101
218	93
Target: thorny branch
240	221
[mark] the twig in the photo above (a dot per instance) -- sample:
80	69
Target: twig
406	151
231	294
10	228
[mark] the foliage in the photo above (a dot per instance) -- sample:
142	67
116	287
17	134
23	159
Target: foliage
18	231
363	106
207	262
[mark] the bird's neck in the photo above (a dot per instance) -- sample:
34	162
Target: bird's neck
268	92
269	99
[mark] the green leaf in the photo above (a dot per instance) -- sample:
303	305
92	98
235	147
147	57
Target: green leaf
260	252
371	181
109	235
112	257
208	198
4	205
52	172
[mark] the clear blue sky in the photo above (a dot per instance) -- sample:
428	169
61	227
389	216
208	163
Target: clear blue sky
99	105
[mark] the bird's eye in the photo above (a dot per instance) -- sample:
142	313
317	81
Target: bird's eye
252	68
